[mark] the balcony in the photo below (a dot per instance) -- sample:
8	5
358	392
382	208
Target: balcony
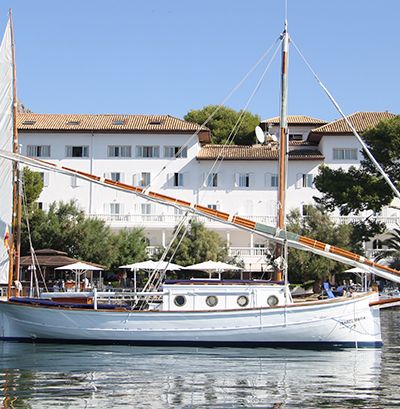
171	220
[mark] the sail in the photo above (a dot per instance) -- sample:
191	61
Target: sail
6	143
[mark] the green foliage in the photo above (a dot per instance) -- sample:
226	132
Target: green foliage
304	266
130	247
223	122
364	189
65	227
198	245
33	186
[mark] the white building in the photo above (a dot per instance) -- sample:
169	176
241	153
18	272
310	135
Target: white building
174	157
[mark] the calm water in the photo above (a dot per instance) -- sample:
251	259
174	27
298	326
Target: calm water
74	376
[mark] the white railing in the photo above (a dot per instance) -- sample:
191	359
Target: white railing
174	219
247	251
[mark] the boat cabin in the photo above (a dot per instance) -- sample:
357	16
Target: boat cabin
205	295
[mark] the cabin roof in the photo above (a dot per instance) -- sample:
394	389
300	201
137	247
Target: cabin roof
255	152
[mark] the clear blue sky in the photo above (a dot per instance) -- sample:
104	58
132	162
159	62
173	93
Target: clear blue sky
171	56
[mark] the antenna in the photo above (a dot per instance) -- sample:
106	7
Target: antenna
260	135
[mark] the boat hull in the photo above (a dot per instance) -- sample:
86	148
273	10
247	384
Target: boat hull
349	322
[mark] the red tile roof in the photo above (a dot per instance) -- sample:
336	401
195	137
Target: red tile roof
296	120
255	152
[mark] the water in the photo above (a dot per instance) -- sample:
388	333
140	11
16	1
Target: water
76	376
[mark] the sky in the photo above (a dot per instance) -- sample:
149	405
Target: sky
172	56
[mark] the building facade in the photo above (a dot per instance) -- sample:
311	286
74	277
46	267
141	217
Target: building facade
174	157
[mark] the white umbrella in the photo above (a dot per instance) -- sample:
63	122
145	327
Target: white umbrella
213	267
356	270
79	268
364	278
150	265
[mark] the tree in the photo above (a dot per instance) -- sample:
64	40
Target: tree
130	247
65	227
304	266
33	186
364	188
223	122
198	245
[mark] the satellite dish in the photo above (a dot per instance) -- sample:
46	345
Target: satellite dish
260	135
272	137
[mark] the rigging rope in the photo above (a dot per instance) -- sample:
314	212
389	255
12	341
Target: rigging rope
348	122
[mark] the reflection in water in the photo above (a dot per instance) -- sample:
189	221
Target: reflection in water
81	376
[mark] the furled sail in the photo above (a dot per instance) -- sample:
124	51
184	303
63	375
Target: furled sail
6	143
274	234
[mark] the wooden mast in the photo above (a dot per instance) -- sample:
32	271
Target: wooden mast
283	152
15	244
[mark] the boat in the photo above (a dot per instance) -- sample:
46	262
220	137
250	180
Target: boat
240	313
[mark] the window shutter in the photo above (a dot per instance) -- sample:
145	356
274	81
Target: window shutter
139	151
122	177
68	151
107	175
156	151
268	179
45	179
236	179
170	180
181	179
299	181
310	180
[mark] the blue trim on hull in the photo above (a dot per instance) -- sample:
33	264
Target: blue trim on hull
206	344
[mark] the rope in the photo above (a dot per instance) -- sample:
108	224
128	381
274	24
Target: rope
348	122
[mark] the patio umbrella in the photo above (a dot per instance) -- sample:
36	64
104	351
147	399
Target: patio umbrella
213	267
363	273
79	268
150	265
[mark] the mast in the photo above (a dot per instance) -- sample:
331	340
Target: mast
283	153
16	216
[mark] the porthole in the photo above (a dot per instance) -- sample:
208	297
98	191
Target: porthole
272	300
180	300
243	301
211	300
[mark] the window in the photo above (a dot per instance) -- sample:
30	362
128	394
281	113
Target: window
38	151
146	208
29	123
180	300
45	178
73	123
211	300
345	154
144	179
115	208
116	176
118	122
77	151
305	209
177	180
274	181
175	151
295	137
305	180
242	301
147	151
120	151
213	206
243	179
212	180
75	181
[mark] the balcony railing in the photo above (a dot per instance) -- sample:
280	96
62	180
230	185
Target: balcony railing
174	219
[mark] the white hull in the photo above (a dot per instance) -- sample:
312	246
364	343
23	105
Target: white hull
342	322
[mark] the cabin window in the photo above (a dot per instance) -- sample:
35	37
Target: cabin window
77	151
344	154
175	152
243	301
119	151
211	300
180	300
272	300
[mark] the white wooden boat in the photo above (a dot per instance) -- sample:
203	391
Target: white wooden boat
192	313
